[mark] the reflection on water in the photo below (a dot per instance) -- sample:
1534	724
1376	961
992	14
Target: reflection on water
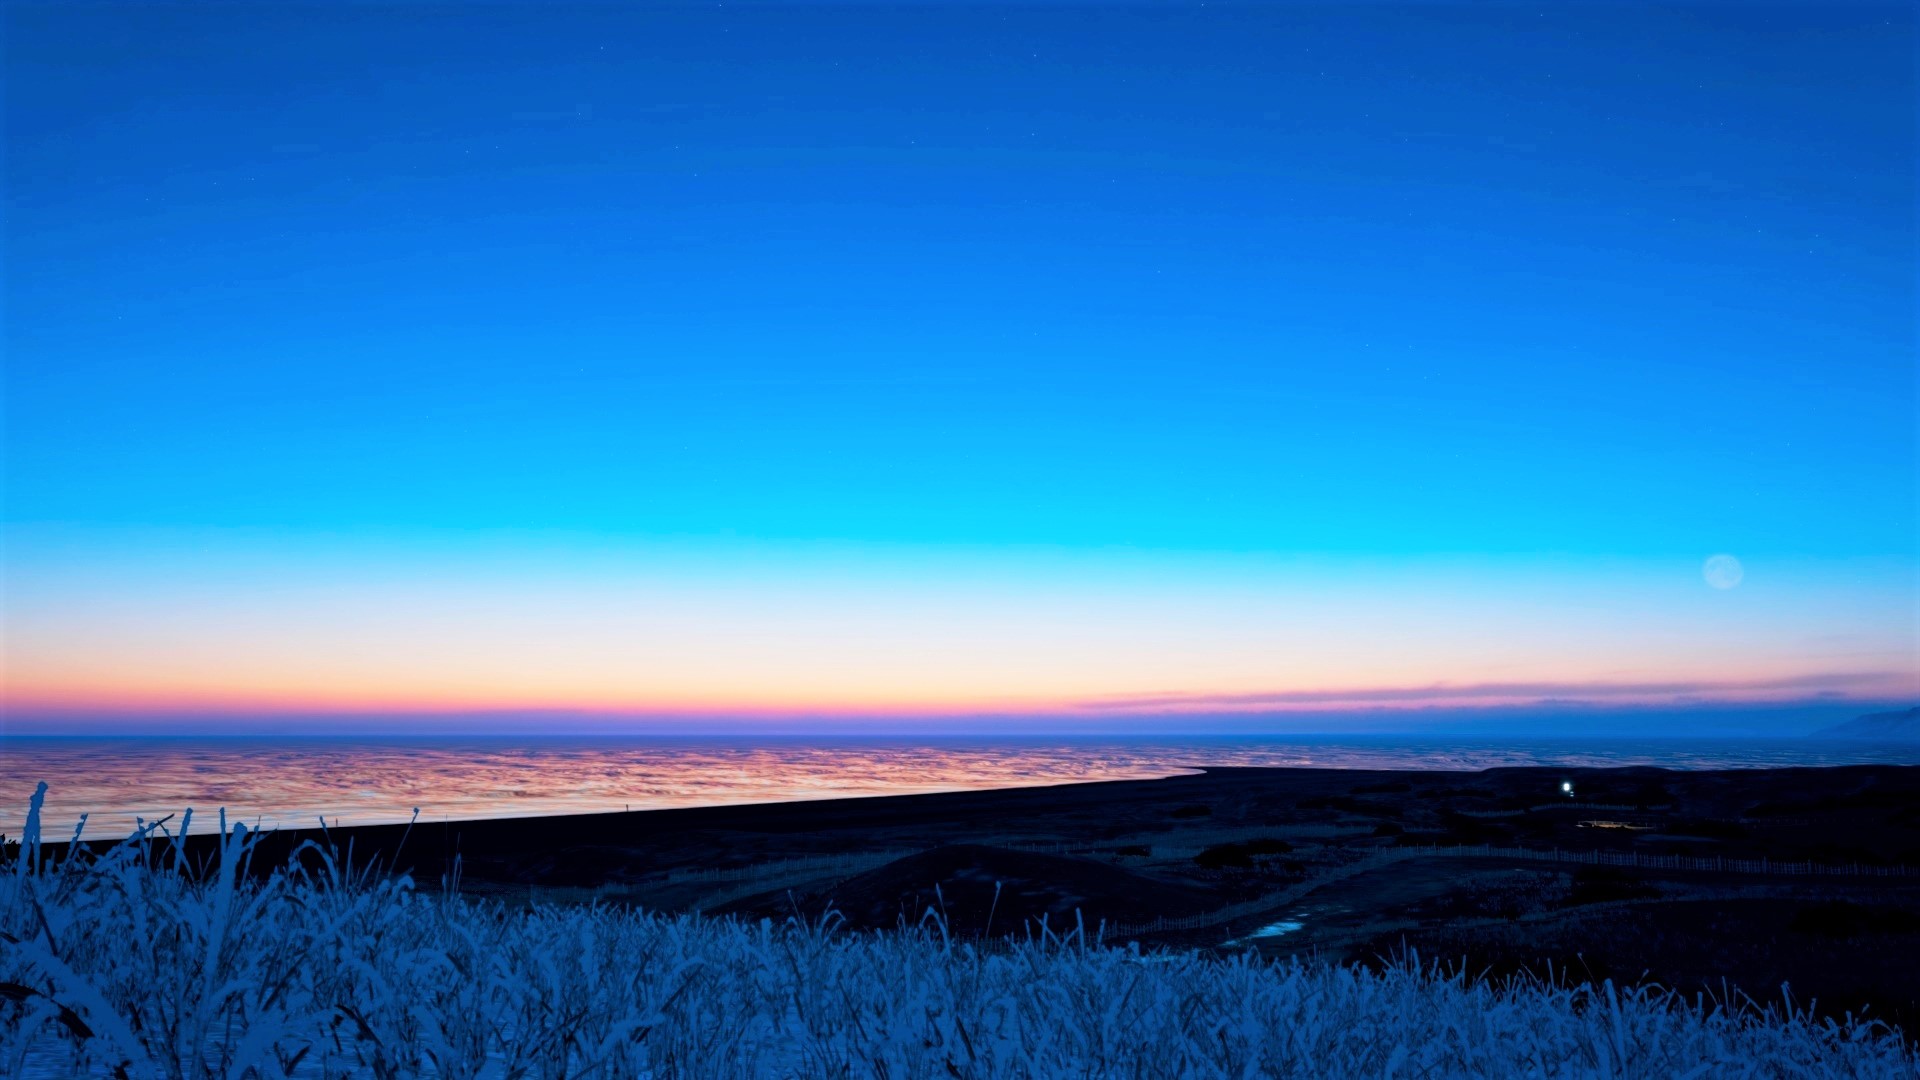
294	781
1272	929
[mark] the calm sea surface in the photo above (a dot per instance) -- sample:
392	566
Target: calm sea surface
294	782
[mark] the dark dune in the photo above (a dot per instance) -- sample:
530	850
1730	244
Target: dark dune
961	880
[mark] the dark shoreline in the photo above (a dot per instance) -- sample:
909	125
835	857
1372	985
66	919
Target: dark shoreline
1360	863
1059	811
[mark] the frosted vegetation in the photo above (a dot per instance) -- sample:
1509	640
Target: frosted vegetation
132	963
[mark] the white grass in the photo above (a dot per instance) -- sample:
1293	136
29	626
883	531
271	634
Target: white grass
327	972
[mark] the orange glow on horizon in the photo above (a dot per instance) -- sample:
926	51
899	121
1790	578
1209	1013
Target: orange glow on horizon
777	635
230	703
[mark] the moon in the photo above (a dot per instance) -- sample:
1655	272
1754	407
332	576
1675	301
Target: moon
1723	571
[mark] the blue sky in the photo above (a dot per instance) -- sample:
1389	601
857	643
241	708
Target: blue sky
1602	285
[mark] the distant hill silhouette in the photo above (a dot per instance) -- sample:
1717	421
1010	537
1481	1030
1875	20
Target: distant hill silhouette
984	888
1887	725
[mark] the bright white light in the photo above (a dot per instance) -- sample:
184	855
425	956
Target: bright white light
1566	786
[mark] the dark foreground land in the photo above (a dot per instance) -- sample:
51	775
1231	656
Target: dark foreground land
1706	882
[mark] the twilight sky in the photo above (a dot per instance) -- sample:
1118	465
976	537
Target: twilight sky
1083	363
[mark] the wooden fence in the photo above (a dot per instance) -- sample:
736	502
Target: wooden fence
814	865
